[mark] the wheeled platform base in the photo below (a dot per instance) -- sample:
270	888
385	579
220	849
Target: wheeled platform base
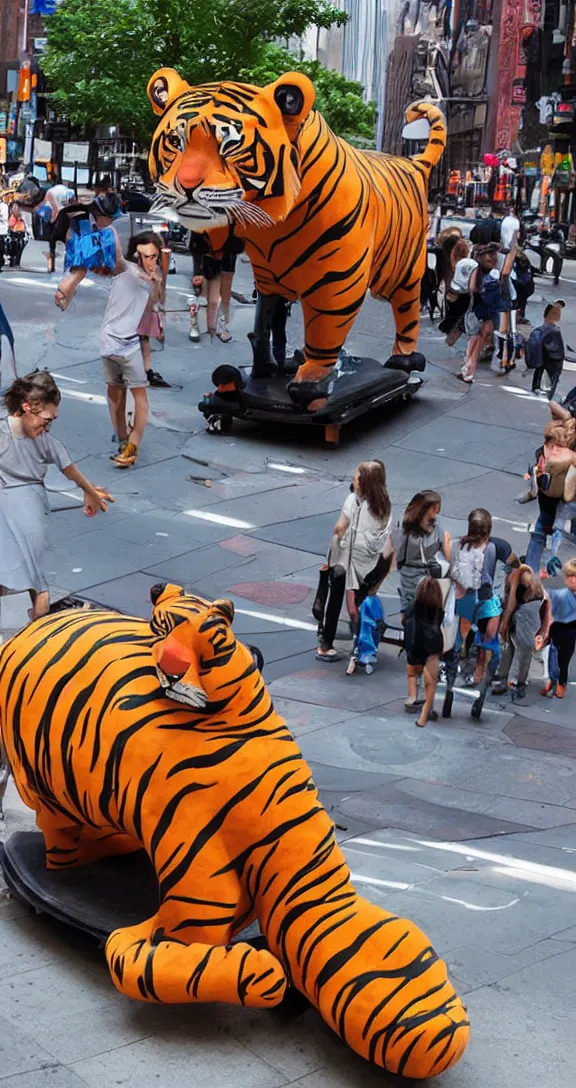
96	898
357	386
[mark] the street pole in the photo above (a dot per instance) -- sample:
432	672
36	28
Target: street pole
24	55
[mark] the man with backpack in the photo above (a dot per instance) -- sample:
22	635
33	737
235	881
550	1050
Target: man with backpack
545	349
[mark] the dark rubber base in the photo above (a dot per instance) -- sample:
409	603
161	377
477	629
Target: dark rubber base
96	898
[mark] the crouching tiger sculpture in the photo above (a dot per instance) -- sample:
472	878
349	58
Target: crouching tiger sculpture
122	735
323	222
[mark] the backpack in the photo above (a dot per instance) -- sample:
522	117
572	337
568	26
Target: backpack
369	631
466	567
535	348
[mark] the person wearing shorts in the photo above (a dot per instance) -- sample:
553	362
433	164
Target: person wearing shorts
122	361
212	276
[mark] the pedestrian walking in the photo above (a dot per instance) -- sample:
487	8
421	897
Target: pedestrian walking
122	361
26	450
545	350
490	290
145	250
359	556
458	292
56	198
562	632
420	544
473	570
423	641
556	489
524	626
17	237
213	273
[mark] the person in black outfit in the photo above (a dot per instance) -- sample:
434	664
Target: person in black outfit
552	349
423	642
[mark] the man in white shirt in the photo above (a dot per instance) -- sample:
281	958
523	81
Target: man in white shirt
510	224
120	349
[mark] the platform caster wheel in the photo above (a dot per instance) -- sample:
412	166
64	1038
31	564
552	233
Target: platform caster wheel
476	711
219	424
332	434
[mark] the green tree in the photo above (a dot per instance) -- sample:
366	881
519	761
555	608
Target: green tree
101	53
338	99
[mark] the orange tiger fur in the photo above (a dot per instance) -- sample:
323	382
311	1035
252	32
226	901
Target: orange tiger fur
323	222
217	792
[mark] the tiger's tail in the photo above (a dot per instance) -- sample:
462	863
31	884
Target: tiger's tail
379	984
437	139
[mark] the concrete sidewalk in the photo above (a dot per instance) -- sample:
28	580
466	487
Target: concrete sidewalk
468	828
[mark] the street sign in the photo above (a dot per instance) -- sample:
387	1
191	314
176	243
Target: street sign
40	44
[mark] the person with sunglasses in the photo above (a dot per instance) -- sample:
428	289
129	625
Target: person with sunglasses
26	450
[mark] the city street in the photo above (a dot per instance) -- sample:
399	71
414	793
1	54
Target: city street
466	827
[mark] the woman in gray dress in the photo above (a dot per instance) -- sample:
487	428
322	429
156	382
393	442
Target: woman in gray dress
419	541
26	450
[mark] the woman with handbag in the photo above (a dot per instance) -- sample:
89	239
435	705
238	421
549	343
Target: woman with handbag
420	544
359	557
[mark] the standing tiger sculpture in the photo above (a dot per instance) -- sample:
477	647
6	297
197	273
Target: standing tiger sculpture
323	222
123	734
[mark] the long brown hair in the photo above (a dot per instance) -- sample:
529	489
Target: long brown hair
36	388
417	509
479	528
522	575
372	488
428	595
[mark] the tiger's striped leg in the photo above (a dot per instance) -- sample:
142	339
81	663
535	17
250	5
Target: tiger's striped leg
148	966
73	844
406	308
325	335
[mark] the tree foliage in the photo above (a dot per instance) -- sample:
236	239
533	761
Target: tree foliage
101	54
337	98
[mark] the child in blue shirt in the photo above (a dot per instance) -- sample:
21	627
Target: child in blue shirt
562	632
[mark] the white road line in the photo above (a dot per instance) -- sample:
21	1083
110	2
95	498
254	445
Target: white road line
65	378
299	625
218	519
286	468
400	885
76	394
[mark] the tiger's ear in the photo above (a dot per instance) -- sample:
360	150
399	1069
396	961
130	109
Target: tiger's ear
224	608
164	87
164	591
294	95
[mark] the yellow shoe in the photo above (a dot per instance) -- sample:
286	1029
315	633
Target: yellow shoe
127	456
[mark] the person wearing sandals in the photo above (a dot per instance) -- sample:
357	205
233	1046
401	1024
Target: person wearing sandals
359	557
423	641
26	450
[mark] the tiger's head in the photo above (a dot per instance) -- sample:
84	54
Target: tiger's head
226	152
195	644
